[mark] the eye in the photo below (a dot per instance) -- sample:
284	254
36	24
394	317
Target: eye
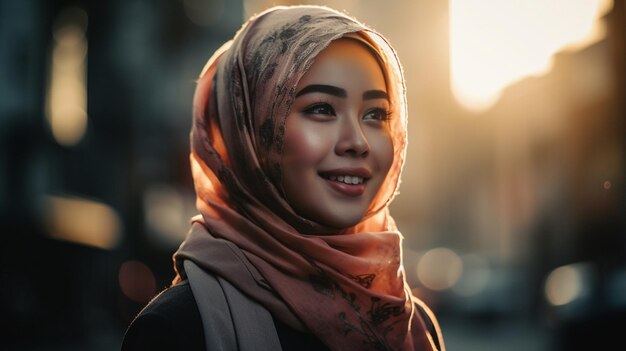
320	109
378	114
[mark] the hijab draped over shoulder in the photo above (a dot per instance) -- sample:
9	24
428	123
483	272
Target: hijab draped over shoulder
346	288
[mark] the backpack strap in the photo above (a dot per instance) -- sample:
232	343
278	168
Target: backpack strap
230	319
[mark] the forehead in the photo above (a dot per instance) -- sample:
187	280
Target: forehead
346	63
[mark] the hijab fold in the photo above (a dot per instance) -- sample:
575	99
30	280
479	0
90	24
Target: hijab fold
348	288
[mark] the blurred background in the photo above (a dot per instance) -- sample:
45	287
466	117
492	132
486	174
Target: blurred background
513	204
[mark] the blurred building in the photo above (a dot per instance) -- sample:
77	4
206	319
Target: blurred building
95	106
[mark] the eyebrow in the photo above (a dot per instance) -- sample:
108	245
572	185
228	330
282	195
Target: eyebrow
339	92
375	94
321	88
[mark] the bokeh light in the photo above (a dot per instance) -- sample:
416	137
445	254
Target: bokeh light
439	268
565	284
137	281
167	214
82	221
475	277
66	105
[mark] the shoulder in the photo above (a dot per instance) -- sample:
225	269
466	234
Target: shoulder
170	321
431	323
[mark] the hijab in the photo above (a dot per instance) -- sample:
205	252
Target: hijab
348	288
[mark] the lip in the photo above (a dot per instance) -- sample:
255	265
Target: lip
351	190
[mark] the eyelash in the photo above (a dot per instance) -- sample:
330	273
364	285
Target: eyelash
311	109
382	114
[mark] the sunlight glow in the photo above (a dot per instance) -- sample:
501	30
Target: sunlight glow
494	43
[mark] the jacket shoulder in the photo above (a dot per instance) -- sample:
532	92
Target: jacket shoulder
170	321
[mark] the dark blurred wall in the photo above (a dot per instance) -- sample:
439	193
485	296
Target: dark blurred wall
141	64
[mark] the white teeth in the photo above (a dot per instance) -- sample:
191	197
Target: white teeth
346	179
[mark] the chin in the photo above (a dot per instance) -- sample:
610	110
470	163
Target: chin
343	222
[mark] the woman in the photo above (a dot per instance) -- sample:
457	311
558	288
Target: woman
298	140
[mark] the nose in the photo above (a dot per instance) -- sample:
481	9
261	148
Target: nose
352	141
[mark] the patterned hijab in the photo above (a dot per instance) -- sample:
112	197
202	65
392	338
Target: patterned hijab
346	288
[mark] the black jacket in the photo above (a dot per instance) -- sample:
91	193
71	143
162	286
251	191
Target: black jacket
171	321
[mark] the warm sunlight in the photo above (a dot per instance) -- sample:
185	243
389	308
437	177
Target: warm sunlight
494	43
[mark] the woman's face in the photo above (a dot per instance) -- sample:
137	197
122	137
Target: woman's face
338	147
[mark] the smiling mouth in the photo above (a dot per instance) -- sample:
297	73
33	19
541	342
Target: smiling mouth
346	179
348	185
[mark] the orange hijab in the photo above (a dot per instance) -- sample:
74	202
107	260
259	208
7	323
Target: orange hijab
346	288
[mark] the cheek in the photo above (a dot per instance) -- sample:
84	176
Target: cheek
382	151
305	145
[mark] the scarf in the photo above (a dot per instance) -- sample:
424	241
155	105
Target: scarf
348	288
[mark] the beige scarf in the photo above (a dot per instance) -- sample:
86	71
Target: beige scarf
346	288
